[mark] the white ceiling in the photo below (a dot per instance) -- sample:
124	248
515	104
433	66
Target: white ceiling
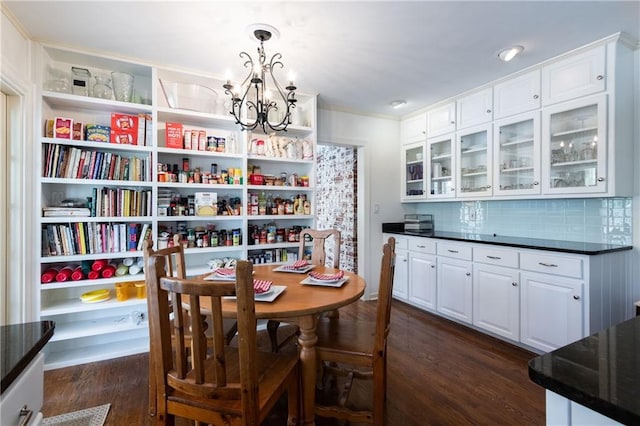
357	56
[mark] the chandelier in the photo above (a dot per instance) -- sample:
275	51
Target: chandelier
264	104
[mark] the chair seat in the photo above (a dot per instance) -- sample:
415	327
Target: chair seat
273	370
348	341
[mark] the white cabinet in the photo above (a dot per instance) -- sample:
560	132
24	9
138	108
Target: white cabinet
401	275
474	109
578	75
413	179
422	273
517	157
440	167
25	393
496	300
551	310
517	95
455	281
414	129
474	159
441	120
574	147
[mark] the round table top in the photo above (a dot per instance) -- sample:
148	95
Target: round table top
301	299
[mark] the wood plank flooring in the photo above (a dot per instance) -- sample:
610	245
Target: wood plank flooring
440	373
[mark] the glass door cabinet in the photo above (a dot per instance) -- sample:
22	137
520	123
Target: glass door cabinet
575	151
441	166
517	168
413	181
474	162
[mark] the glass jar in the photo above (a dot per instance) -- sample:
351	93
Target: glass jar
102	87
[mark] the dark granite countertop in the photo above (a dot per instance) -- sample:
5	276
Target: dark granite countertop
601	372
20	343
500	240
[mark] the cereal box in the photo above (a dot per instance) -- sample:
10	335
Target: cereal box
206	203
78	131
62	128
174	135
96	133
124	129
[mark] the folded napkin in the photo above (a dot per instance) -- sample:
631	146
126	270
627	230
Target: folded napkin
300	264
261	286
326	277
225	272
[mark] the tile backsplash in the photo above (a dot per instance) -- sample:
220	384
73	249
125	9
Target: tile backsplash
596	220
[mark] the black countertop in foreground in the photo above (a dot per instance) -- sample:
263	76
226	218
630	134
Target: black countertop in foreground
500	240
601	372
20	343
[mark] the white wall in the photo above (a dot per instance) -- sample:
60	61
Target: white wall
380	153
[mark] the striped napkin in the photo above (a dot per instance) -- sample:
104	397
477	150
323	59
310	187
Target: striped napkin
225	272
300	264
261	286
326	277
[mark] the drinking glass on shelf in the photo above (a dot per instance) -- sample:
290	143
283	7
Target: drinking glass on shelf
122	86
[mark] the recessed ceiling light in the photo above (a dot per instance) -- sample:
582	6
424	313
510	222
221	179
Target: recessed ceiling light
398	103
510	52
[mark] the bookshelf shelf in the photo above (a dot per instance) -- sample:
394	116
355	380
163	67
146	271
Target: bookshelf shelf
131	188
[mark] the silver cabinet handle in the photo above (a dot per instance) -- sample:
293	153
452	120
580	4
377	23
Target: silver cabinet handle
25	416
433	266
550	265
421	246
452	251
452	188
488	187
453	122
576	297
494	257
488	111
535	182
600	77
468	274
404	260
424	132
535	96
600	179
514	284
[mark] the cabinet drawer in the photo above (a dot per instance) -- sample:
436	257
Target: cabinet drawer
423	245
401	242
494	256
456	251
552	264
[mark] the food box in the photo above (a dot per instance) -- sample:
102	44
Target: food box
124	129
206	203
96	133
256	179
62	128
174	135
48	128
78	131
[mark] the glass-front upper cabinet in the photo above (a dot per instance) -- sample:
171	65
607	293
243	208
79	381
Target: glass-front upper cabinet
474	162
440	167
413	181
575	146
517	159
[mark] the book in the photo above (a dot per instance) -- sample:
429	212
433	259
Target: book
66	211
146	229
132	244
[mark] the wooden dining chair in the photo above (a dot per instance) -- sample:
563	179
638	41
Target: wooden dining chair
230	386
357	349
175	266
321	239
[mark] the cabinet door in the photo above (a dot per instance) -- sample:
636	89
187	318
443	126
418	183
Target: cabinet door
414	129
579	75
574	146
441	120
422	280
517	157
496	300
517	95
474	162
413	182
475	109
454	289
551	310
401	276
440	167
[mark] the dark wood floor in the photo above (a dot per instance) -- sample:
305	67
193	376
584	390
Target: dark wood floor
440	373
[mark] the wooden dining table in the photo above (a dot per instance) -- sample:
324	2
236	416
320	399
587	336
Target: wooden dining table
301	304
